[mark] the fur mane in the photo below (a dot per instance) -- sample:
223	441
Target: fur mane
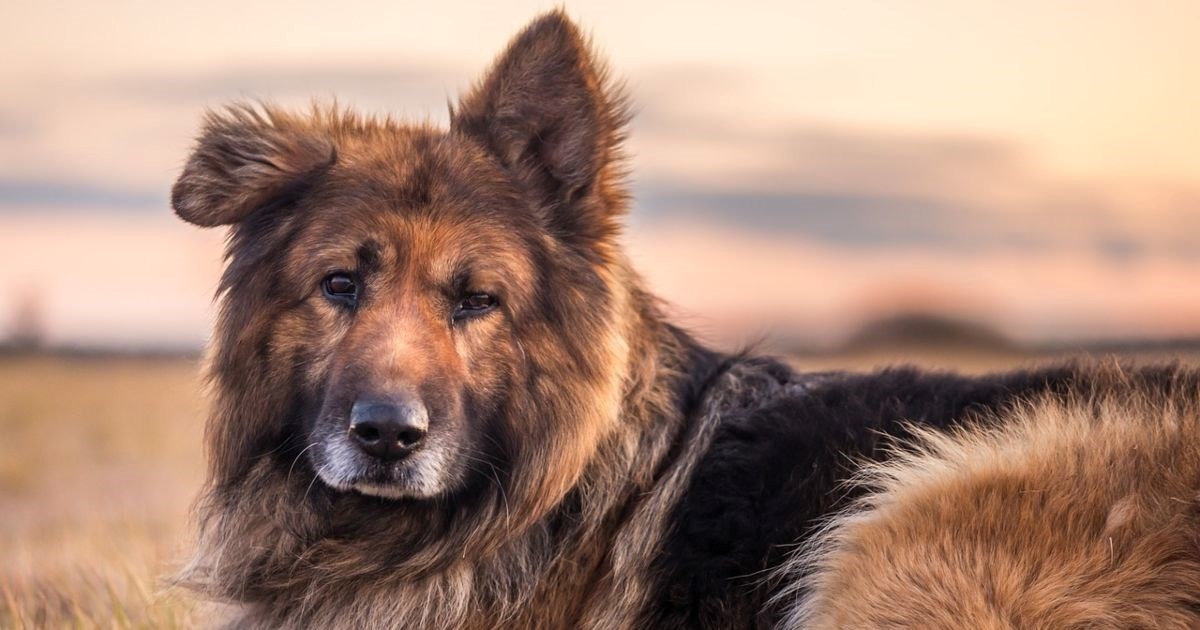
307	555
534	527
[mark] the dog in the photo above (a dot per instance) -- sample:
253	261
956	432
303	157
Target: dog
442	397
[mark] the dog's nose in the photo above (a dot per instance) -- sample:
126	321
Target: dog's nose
388	429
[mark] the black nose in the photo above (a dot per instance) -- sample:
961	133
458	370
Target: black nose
388	429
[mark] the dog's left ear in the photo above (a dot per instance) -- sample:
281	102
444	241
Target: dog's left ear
546	111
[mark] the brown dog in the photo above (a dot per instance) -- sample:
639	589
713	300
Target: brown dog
443	399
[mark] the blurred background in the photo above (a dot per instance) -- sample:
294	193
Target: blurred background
970	185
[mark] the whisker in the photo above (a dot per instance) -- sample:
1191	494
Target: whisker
304	498
297	458
495	477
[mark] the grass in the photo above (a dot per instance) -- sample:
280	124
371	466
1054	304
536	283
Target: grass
101	458
99	462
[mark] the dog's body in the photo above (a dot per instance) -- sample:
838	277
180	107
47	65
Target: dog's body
1066	512
442	398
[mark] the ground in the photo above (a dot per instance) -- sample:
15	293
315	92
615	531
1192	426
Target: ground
99	461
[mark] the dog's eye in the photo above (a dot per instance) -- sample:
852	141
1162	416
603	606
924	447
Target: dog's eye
340	287
474	304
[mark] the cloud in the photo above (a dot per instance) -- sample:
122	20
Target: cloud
720	128
15	127
734	281
390	87
707	147
863	222
709	142
133	130
69	196
847	219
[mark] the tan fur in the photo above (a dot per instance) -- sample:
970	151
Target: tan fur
1075	514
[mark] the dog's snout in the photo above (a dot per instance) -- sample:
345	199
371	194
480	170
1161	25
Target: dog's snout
388	428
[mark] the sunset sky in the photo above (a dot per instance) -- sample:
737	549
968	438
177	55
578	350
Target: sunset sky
799	166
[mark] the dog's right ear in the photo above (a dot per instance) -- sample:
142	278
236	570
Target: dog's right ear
247	158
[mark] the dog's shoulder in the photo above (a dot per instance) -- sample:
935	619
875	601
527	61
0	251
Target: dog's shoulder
779	448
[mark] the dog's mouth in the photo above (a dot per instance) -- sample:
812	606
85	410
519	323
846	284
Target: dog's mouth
395	484
420	474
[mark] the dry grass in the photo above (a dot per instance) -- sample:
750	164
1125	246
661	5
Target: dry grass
99	462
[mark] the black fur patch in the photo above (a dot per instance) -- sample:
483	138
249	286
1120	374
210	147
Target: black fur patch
776	466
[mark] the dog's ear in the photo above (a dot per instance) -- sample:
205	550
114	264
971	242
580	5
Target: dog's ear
247	158
547	112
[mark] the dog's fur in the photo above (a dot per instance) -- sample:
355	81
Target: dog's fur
1072	513
588	465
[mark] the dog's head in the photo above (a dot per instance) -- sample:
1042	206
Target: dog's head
414	309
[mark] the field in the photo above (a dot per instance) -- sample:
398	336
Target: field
99	462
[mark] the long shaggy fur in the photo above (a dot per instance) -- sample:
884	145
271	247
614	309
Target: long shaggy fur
580	399
1081	512
587	464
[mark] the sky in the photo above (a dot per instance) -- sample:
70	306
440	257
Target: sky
798	166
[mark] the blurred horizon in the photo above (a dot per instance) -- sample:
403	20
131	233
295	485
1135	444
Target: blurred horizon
1027	167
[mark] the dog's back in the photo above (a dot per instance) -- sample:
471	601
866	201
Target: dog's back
1070	513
